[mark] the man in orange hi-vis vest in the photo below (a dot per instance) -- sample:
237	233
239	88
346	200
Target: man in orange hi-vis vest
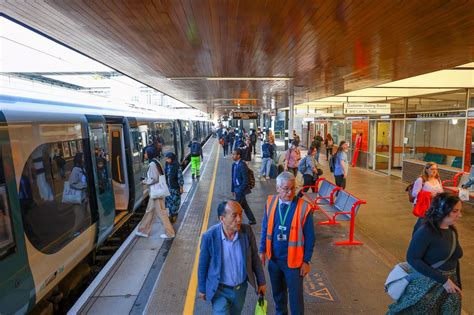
287	243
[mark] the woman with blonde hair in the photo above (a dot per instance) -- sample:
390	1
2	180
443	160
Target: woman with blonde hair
425	188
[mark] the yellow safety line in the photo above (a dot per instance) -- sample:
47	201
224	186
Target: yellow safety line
192	287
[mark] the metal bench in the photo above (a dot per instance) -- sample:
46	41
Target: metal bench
334	203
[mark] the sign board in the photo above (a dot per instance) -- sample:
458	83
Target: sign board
315	115
366	108
244	115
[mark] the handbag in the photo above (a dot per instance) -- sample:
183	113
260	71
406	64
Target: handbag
261	307
463	194
71	195
402	274
159	189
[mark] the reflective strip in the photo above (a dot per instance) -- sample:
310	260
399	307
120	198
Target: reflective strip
296	244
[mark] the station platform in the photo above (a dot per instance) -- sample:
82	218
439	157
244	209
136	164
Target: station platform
156	277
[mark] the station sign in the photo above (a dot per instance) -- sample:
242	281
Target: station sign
438	115
244	115
366	108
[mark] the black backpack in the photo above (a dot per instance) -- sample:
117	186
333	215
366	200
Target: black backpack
332	163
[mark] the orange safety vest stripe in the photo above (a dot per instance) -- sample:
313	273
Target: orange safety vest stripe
296	237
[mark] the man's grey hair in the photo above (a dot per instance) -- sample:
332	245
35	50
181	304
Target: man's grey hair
283	178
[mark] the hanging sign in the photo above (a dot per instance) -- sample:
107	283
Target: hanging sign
244	115
366	108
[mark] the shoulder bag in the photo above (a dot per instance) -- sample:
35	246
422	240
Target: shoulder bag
159	189
401	275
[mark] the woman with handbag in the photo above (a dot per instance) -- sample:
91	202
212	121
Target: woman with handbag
292	158
156	203
175	181
434	254
425	188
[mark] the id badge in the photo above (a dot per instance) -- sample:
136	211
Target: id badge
281	237
282	228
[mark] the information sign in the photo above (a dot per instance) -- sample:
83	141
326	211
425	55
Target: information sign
366	108
244	115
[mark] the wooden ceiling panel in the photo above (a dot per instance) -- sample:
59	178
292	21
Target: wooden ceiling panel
328	47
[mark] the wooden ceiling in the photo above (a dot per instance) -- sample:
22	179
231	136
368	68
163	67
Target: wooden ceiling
328	47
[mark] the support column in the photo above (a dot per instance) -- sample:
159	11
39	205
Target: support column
291	104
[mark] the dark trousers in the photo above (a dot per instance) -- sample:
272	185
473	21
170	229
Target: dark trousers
340	181
309	180
240	198
254	145
225	147
286	282
231	146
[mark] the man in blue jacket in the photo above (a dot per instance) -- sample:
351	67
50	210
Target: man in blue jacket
240	184
228	259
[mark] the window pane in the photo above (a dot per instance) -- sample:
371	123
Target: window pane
54	196
6	232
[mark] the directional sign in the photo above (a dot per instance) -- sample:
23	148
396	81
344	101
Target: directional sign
244	115
366	108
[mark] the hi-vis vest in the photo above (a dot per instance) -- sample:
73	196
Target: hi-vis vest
296	238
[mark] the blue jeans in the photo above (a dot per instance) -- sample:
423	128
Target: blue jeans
229	301
286	281
266	165
318	151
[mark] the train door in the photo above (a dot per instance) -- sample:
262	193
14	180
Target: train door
102	179
118	160
16	281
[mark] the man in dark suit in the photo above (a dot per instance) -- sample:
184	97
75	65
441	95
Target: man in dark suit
228	259
240	184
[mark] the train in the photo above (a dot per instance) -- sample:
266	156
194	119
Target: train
44	234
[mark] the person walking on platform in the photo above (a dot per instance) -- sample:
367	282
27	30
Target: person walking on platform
328	143
317	141
425	188
267	160
223	141
253	140
246	148
341	165
196	156
287	242
309	169
174	178
240	184
156	207
434	254
228	261
292	158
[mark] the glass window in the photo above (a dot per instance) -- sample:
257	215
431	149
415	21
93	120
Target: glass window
101	157
439	141
53	196
7	242
165	137
186	134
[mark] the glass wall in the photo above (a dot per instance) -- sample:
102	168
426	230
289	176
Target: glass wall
439	141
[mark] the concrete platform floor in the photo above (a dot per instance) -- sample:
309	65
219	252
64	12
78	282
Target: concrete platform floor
343	280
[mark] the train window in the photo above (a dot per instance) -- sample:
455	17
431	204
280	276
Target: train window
53	196
7	242
164	134
101	157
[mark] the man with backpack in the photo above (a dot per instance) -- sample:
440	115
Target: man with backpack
242	182
253	141
196	155
308	167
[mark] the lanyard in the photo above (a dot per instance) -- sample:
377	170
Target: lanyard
282	220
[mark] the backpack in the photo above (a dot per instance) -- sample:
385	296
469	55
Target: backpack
195	148
332	163
251	176
302	165
409	190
